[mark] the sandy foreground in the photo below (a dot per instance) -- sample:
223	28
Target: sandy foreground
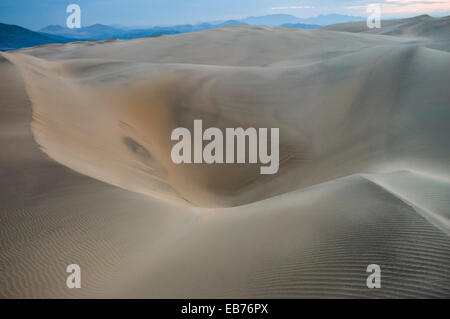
86	175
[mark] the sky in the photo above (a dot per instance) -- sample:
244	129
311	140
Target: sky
36	14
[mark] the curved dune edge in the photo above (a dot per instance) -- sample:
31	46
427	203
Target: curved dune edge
323	251
112	119
427	195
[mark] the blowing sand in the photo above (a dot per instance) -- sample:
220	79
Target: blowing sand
363	179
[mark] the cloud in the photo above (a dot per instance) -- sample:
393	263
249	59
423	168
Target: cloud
409	6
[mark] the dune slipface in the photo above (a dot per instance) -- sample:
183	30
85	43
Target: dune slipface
363	177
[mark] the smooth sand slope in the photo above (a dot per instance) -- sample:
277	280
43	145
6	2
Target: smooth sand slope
420	26
364	162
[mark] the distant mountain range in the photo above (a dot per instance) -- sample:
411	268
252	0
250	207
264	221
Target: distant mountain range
300	26
103	32
329	19
283	19
15	37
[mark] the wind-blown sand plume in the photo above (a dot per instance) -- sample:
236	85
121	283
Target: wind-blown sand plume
364	132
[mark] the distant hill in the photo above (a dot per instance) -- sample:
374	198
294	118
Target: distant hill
301	25
230	23
272	20
15	37
103	32
284	19
96	31
328	19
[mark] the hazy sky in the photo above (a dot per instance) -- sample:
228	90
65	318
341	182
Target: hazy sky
36	14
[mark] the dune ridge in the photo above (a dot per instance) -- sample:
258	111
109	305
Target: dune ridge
420	26
319	124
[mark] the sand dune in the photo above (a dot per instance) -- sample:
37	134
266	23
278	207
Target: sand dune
309	243
425	30
364	162
337	117
421	26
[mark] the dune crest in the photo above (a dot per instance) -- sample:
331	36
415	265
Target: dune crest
338	116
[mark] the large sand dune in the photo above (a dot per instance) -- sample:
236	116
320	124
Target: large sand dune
421	26
364	165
